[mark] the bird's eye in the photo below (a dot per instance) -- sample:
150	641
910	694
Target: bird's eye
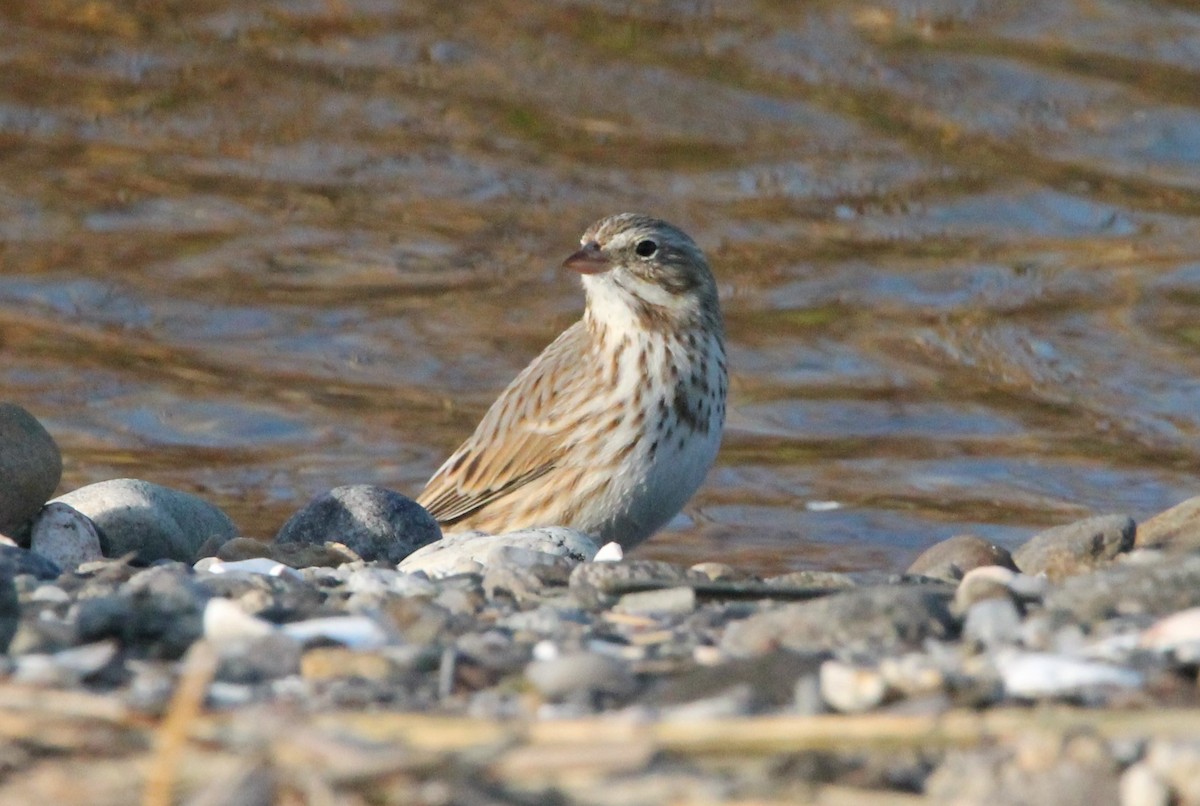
646	248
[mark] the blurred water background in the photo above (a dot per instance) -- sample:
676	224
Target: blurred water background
255	250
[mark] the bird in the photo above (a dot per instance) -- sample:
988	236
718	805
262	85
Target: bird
613	427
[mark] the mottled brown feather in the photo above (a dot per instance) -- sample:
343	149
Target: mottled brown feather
520	438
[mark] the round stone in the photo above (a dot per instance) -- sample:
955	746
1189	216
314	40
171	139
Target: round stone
374	522
30	465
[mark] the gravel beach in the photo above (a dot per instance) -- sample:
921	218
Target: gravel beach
518	669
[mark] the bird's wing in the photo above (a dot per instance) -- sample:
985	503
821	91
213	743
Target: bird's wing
522	436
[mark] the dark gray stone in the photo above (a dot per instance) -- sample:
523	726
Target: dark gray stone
158	613
1076	547
148	520
10	607
30	466
16	561
862	618
374	522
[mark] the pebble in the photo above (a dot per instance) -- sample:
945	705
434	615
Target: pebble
580	673
609	553
357	632
65	536
1155	586
849	688
1076	547
257	565
51	594
913	674
529	634
1177	764
720	572
16	561
224	621
30	465
602	584
148	520
871	618
985	582
332	663
471	552
373	522
1176	529
1140	786
952	558
159	612
992	623
257	658
1035	675
668	600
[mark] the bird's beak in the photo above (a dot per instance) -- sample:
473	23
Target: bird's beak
588	260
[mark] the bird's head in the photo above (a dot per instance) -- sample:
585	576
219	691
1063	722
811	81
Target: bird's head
640	268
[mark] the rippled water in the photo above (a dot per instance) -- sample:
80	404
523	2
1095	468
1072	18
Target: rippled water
257	250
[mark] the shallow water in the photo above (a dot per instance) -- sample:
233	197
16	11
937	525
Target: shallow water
258	250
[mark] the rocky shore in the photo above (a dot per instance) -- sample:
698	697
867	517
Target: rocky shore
362	657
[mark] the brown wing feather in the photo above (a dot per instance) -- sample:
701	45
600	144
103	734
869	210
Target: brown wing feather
519	439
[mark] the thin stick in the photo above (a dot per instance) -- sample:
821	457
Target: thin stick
199	667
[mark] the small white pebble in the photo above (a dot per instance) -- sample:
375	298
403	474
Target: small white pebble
49	593
355	632
255	565
225	621
609	553
545	650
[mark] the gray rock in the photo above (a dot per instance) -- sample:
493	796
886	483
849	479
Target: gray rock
10	608
65	536
1176	529
992	622
19	561
580	673
521	584
829	580
601	584
668	600
952	558
771	679
867	618
460	553
30	466
373	522
158	613
255	659
1076	547
149	520
1155	587
1080	772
